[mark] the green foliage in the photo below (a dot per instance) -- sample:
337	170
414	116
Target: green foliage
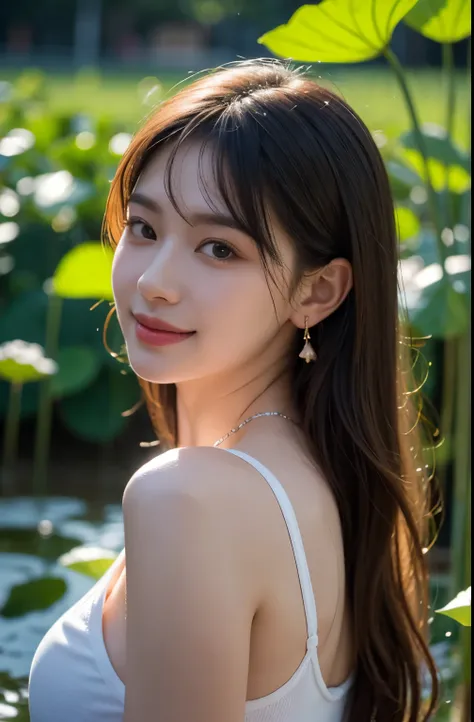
441	311
448	165
55	170
459	608
85	272
403	178
22	363
115	95
337	31
33	596
78	368
91	561
454	177
445	21
95	414
439	145
14	697
408	223
30	541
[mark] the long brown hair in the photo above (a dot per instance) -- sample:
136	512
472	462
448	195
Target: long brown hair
282	143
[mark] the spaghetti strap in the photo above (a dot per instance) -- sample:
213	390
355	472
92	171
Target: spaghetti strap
296	542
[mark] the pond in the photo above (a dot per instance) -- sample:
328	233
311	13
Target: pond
34	533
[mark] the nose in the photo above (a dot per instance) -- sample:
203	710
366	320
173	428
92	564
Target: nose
160	278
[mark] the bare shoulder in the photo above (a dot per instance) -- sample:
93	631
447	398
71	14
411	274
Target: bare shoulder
195	488
201	473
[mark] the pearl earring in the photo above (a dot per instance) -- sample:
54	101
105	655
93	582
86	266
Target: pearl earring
308	352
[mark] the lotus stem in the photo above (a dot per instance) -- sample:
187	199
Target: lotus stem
12	431
448	68
468	67
45	407
420	141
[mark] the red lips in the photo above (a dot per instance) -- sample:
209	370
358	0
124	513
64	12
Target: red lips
157	324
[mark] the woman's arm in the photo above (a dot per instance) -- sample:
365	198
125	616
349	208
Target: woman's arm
189	613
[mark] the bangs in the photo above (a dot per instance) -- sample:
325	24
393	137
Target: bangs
241	174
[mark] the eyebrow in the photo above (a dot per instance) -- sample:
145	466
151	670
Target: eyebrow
215	219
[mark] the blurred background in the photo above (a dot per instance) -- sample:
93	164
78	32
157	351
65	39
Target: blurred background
77	78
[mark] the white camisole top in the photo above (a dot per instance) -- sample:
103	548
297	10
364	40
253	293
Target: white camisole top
72	679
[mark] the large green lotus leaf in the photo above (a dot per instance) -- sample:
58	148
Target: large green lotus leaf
91	561
78	367
95	414
441	312
445	21
459	608
85	272
33	596
338	31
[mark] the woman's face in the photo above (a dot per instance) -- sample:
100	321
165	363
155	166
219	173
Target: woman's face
206	277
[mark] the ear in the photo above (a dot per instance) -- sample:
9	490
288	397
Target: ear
321	292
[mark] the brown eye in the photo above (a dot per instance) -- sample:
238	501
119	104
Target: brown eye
141	229
220	251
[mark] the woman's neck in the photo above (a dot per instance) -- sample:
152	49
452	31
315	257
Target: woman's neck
207	412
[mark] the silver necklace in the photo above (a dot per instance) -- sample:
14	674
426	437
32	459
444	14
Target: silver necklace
255	416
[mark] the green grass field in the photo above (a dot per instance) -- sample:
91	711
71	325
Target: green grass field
374	94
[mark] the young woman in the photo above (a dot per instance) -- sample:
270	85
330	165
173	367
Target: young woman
273	568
